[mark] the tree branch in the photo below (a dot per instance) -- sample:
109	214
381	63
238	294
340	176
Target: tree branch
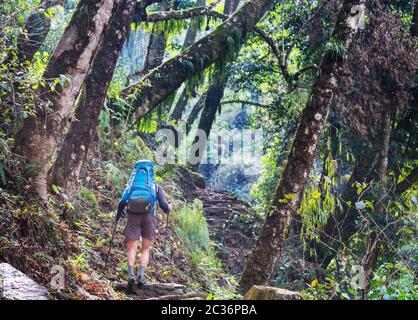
185	14
246	102
405	184
160	82
302	29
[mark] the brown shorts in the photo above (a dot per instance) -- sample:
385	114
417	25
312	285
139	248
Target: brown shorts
140	225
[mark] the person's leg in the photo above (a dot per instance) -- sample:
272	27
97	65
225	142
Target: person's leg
132	250
144	259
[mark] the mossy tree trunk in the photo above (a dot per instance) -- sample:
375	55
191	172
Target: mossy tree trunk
38	138
70	160
375	241
188	41
261	264
342	226
156	45
214	94
157	85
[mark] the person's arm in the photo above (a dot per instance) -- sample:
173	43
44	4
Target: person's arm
164	205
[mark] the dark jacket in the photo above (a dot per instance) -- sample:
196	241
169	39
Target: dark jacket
162	202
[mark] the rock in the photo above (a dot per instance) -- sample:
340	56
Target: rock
15	285
186	296
198	179
270	293
85	295
153	289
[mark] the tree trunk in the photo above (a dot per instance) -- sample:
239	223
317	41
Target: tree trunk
180	105
162	81
188	41
372	254
341	226
195	112
414	26
286	201
155	50
38	138
156	46
212	101
77	143
214	96
316	33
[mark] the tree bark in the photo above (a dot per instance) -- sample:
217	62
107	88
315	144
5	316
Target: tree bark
214	95
212	101
195	112
414	26
162	81
189	40
77	143
372	254
286	201
341	226
38	138
156	47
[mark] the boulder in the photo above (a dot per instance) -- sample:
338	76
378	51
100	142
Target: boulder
270	293
15	285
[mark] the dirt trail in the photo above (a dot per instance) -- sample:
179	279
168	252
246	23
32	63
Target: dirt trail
232	225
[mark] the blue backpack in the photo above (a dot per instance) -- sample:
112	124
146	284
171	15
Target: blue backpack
140	195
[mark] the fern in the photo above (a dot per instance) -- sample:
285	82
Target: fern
336	48
147	124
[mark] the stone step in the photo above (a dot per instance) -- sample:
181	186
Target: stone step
153	289
186	296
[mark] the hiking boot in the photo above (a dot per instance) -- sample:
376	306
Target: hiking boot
140	280
131	283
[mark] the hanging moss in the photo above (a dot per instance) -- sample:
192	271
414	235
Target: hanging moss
189	67
244	30
237	35
230	44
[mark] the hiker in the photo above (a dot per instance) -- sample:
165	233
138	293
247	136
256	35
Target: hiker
140	198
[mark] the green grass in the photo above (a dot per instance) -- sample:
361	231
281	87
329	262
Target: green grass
192	228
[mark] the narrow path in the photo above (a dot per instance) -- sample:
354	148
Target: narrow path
232	225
